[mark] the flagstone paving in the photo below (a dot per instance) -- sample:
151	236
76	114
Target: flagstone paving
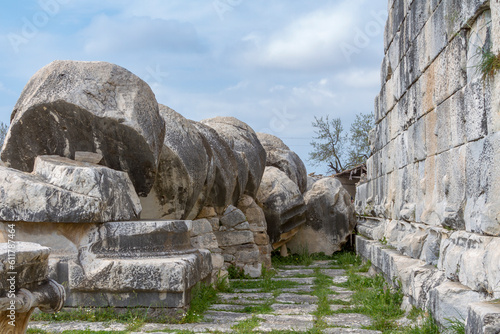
289	309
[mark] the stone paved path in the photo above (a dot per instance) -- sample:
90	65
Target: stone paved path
288	309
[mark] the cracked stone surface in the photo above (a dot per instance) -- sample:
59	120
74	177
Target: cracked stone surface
340	279
245	298
301	280
333	272
228	307
77	325
300	288
342	295
349	330
294	308
295	272
287	298
353	320
220	317
290	309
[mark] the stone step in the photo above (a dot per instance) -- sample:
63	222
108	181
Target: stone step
315	264
288	309
303	280
292	298
225	317
245	298
338	330
295	272
59	327
333	272
344	296
299	323
196	328
227	307
340	279
299	288
353	320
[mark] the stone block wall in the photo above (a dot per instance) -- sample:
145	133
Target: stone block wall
433	180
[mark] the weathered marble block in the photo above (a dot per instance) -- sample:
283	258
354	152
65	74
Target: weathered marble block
148	264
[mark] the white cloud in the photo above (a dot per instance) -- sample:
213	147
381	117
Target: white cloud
317	93
311	41
274	65
239	86
360	78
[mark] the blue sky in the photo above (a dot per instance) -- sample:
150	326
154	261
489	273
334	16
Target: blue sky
273	64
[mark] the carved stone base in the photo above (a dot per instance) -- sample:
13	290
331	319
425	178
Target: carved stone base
137	264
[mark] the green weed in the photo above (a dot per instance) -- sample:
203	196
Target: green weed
237	273
428	327
222	284
322	290
247	326
85	331
489	64
456	326
203	296
264	285
101	314
303	258
259	309
374	297
92	332
414	313
346	259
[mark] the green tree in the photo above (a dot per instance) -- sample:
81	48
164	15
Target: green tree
359	150
338	149
3	133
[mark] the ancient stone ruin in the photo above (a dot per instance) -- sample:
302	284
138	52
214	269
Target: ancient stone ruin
137	203
430	205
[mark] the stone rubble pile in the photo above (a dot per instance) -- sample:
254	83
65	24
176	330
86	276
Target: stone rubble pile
299	217
327	201
138	203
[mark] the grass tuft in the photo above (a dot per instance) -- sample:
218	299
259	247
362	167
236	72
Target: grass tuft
376	299
346	260
237	273
303	258
203	296
456	326
429	326
489	64
259	309
131	316
247	326
322	290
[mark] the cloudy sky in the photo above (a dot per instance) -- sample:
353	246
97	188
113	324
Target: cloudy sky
272	64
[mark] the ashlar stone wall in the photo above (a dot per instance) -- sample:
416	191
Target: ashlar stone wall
432	191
